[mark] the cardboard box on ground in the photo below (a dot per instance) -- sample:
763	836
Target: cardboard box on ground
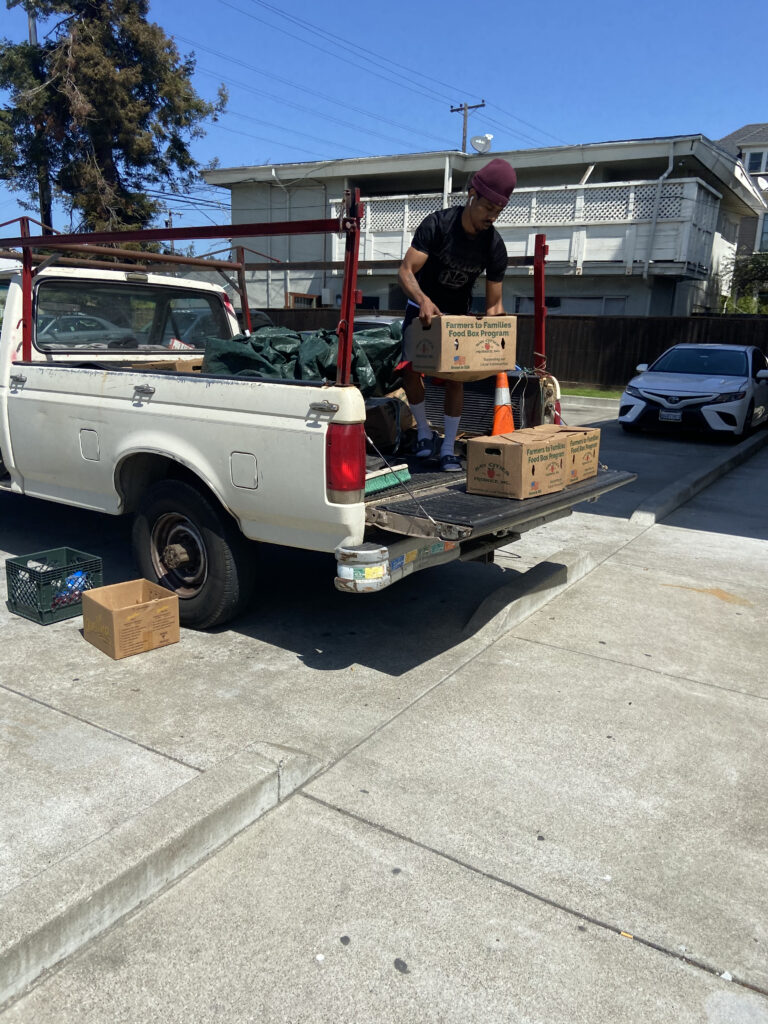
130	618
463	348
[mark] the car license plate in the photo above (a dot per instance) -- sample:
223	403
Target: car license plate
670	416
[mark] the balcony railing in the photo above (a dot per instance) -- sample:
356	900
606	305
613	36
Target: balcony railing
626	223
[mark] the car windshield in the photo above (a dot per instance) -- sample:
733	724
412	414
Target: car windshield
718	362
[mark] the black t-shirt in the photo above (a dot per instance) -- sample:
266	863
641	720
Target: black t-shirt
456	259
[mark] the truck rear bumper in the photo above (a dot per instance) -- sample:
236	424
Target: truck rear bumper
447	524
366	568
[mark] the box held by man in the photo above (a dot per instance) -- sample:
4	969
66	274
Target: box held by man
463	348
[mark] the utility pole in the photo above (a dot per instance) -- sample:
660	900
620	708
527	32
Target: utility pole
466	109
169	224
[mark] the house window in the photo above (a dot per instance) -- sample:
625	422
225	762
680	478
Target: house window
756	161
764	237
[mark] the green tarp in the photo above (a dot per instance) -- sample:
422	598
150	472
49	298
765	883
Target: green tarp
276	353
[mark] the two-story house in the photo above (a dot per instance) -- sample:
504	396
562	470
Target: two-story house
750	145
641	227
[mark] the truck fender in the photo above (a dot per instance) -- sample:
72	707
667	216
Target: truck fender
141	465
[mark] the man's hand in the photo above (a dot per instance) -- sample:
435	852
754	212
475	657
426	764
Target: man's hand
427	310
412	263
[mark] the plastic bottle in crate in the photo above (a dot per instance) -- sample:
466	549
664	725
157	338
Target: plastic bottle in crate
72	591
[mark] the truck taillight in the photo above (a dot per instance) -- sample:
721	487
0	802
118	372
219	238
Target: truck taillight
345	462
227	303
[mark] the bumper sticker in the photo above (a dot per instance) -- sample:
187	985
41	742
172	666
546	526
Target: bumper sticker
369	572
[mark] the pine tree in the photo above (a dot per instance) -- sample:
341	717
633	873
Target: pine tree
102	110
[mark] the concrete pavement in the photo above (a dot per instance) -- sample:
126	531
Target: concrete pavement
441	756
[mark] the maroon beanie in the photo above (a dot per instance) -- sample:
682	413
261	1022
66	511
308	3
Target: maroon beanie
496	181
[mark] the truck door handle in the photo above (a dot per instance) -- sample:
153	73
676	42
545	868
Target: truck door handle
17	379
323	406
144	389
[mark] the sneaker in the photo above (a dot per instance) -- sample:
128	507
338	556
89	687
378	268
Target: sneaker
426	447
450	464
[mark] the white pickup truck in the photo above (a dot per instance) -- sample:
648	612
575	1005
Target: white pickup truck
208	465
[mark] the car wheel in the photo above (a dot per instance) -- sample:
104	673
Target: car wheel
746	430
186	542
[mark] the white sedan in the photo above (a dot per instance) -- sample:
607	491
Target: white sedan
719	388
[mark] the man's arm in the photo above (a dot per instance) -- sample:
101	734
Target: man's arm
494	303
412	263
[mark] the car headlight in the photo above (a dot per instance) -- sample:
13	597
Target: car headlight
634	392
730	396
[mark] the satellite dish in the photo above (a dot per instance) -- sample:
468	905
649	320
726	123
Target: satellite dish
762	184
481	143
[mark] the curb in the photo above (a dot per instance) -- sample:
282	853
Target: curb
513	602
59	911
584	402
659	505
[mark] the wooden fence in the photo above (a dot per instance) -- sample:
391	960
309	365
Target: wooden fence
599	350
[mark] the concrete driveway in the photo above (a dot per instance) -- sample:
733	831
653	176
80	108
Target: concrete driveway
558	821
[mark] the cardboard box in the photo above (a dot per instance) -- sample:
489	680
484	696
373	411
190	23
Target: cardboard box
582	455
523	464
463	348
407	420
130	618
190	364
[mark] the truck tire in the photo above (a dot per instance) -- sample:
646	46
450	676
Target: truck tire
186	542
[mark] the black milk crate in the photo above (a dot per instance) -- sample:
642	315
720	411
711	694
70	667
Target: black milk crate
47	586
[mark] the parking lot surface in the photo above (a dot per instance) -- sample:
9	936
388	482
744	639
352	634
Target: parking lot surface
562	824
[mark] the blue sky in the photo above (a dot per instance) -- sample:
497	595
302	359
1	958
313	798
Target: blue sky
329	79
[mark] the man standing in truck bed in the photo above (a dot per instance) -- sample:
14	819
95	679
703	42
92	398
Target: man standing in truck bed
449	251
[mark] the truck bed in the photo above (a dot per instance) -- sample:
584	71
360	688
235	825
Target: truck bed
435	504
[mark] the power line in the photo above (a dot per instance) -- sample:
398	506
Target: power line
317	29
549	135
308	110
412	72
271	124
311	92
347	60
272	142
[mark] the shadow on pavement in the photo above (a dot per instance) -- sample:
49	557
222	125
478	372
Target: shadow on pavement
296	607
392	631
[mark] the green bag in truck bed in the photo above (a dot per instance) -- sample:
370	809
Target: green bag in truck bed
276	353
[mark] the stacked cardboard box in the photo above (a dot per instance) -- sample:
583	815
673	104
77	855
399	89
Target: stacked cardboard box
582	454
523	464
463	348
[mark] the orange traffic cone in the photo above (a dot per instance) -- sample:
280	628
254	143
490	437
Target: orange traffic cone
503	421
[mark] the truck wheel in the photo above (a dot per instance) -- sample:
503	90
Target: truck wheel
187	543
